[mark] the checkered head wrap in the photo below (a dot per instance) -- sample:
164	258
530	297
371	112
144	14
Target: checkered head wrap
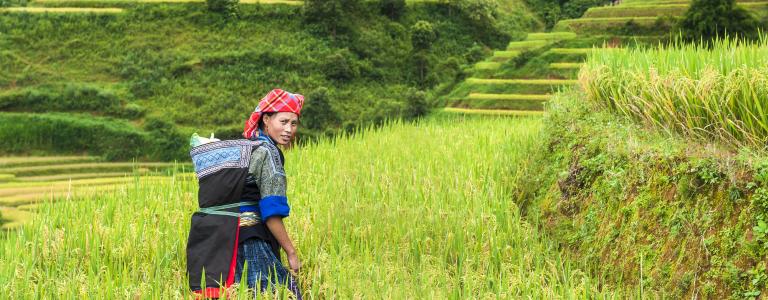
276	100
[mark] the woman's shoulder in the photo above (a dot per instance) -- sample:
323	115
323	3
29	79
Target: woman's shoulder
266	151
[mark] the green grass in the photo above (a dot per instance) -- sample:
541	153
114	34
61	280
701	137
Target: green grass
522	81
487	65
6	177
492	112
549	36
645	25
84	167
565	65
650	10
17	161
68	176
61	10
479	96
505	54
718	93
524	45
13	218
445	227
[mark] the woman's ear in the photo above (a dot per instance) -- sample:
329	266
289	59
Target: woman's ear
265	118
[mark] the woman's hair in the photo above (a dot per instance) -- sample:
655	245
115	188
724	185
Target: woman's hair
261	119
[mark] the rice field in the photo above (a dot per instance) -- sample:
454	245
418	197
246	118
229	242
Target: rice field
715	94
25	181
407	211
61	10
521	81
596	25
548	36
565	65
480	96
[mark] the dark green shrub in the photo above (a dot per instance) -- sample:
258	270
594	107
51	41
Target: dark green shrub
708	19
166	142
393	9
70	97
69	133
228	8
318	114
334	16
575	8
423	35
341	65
416	104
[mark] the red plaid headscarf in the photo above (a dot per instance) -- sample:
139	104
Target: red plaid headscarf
276	100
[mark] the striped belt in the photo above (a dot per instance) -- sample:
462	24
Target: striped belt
247	218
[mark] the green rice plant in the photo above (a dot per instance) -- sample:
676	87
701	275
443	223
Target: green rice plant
13	218
549	36
61	10
718	93
565	65
85	167
480	96
603	25
622	11
18	161
524	45
522	81
6	177
580	51
407	211
493	112
487	65
505	54
68	176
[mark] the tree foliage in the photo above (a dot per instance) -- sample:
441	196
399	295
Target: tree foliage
394	9
707	19
334	15
228	8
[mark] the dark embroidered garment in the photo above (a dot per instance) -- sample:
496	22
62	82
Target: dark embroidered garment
221	168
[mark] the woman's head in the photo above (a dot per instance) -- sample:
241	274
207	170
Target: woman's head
279	126
270	109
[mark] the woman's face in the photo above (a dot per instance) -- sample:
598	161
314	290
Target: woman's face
281	127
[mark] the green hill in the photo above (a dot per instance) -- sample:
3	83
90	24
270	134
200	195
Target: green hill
152	73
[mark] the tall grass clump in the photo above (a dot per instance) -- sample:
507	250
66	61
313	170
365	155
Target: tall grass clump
401	212
717	92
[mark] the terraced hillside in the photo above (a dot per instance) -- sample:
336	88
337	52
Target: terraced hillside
26	181
520	79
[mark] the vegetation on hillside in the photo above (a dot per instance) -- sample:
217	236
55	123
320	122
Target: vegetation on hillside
706	20
445	226
710	92
193	70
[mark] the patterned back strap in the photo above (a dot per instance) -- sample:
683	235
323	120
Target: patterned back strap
220	210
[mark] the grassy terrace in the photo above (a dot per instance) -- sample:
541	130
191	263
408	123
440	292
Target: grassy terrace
522	81
61	10
587	25
656	10
493	112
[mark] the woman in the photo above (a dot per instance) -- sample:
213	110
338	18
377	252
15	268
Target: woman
242	199
274	122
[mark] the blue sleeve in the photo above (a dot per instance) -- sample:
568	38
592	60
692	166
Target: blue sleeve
271	206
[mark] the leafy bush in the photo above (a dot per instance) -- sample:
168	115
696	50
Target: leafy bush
318	114
341	65
228	8
68	133
167	143
575	8
708	19
69	97
393	9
